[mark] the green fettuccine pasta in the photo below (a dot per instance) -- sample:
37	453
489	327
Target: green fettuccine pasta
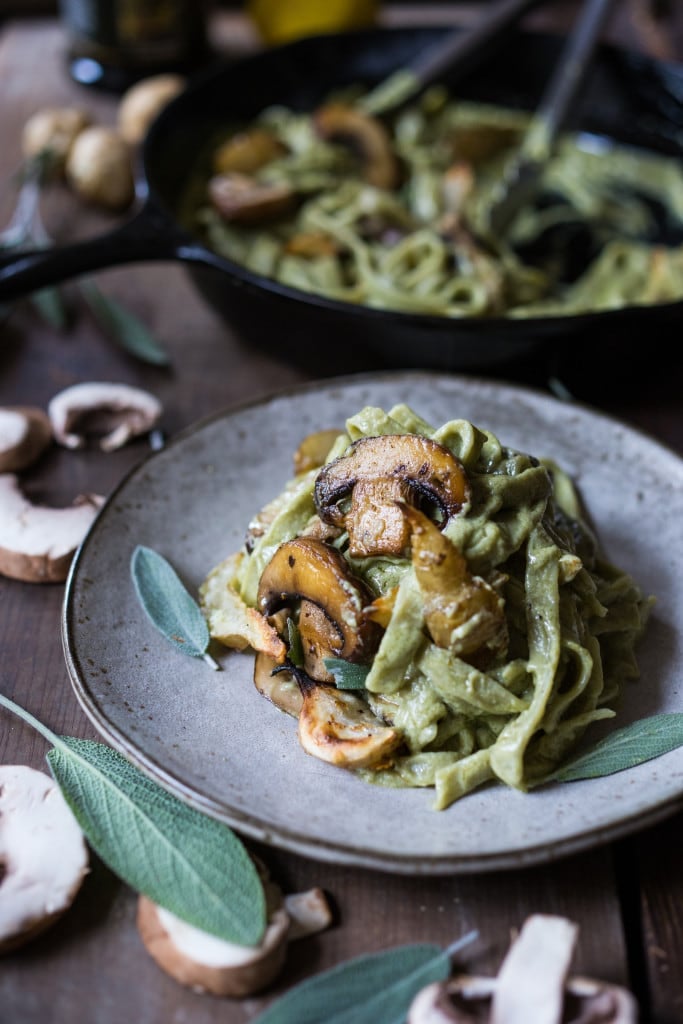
467	713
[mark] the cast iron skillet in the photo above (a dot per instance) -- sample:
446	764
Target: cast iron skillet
630	98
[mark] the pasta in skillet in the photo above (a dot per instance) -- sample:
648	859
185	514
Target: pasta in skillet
404	227
431	605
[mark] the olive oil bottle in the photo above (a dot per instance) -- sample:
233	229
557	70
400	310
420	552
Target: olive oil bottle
113	43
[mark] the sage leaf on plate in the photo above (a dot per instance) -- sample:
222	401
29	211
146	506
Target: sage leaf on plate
168	604
634	744
185	861
347	676
125	328
374	989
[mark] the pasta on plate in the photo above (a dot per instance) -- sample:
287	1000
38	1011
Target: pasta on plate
431	605
393	214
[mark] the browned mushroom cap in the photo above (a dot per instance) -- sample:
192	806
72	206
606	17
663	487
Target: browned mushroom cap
309	571
244	200
365	136
380	473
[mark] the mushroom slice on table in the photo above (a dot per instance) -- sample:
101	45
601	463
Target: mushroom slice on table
37	543
366	137
362	489
532	986
43	855
306	569
208	964
25	433
114	412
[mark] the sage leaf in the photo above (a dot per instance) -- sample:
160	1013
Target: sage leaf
374	989
634	744
50	304
125	328
180	858
347	676
168	605
185	861
296	651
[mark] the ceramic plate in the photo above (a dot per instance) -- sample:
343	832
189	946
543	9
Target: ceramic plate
212	740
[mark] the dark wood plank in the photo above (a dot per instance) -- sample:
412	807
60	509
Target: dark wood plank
91	966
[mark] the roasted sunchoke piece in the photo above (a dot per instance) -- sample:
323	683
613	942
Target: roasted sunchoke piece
338	727
314	449
366	137
308	570
462	612
379	472
230	620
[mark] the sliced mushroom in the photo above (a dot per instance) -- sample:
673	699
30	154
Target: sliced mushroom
43	855
532	986
378	472
115	412
230	620
37	543
245	200
462	612
25	433
279	687
366	136
247	152
209	964
338	727
308	570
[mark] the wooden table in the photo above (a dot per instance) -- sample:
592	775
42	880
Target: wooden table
627	896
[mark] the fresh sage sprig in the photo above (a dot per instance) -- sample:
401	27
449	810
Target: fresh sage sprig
634	744
121	325
183	860
373	989
169	606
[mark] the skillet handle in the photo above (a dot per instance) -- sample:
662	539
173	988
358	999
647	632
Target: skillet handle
149	235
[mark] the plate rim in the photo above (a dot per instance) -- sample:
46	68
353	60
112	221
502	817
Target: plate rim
293	841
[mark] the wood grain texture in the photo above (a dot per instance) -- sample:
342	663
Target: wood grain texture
91	966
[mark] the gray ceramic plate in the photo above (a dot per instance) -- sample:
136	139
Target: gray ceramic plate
212	740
